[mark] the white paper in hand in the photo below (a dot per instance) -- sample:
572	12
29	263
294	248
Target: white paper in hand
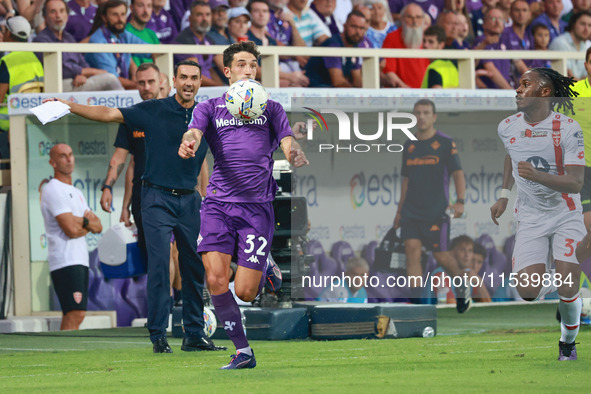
50	111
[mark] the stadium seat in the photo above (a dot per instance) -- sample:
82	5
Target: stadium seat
321	267
135	294
386	293
486	241
369	253
342	251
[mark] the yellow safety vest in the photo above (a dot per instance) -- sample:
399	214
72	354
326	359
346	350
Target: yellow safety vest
449	74
24	68
583	114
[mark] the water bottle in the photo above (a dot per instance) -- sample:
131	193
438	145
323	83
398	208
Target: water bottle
428	332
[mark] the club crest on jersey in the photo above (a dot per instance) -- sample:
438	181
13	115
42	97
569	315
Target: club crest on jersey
556	137
533	133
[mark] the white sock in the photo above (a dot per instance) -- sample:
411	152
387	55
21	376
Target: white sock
245	350
570	314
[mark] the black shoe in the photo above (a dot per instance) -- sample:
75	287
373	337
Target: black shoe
194	344
161	346
463	297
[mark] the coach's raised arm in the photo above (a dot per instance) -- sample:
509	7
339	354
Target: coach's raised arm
98	113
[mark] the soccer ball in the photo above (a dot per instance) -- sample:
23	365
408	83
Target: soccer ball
246	99
209	322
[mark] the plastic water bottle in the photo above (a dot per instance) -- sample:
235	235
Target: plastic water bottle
428	332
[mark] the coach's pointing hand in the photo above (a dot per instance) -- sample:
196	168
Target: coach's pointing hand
187	149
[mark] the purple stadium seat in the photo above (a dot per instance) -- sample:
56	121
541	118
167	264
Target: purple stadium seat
342	251
369	253
136	295
495	264
322	266
125	311
386	294
486	241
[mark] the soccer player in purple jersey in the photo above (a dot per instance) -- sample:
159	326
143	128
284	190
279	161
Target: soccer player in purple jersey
237	213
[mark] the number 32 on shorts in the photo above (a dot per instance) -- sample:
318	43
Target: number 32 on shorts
569	245
250	244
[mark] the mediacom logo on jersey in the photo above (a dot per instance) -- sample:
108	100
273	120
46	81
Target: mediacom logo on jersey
395	121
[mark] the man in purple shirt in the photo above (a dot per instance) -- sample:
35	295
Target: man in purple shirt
162	22
498	70
77	74
81	18
178	9
551	18
237	213
199	26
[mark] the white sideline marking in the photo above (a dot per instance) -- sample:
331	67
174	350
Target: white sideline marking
22	349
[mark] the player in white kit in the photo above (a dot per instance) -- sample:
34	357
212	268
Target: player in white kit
545	159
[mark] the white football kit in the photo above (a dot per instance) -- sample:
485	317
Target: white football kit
549	223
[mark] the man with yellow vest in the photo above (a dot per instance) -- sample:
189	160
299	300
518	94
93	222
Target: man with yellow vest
440	73
19	71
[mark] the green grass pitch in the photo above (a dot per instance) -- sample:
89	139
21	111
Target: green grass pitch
489	349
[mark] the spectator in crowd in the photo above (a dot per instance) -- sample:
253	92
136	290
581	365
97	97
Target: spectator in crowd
20	72
162	22
541	40
379	25
578	6
324	9
238	3
178	8
497	71
67	219
257	33
477	16
406	73
575	39
551	18
450	22
141	12
465	35
111	29
77	75
351	289
462	248
336	71
238	21
431	8
517	36
165	87
81	18
440	73
195	34
308	24
505	7
218	34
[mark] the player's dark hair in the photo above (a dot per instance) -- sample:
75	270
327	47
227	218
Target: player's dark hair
479	249
426	102
186	63
437	31
102	11
44	8
562	94
462	239
237	47
200	3
145	66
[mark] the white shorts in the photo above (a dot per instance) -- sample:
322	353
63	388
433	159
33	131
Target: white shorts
549	240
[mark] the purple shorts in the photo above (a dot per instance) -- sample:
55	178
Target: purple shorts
244	230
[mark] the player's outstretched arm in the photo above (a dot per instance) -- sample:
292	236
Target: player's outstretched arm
98	113
190	143
293	152
571	182
500	206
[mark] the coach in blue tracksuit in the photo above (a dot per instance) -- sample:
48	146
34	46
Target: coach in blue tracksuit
170	203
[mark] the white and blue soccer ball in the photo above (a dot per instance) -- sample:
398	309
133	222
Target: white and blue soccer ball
209	322
246	99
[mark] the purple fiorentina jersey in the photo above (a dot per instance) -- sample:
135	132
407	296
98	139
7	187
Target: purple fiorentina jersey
80	20
164	26
243	153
